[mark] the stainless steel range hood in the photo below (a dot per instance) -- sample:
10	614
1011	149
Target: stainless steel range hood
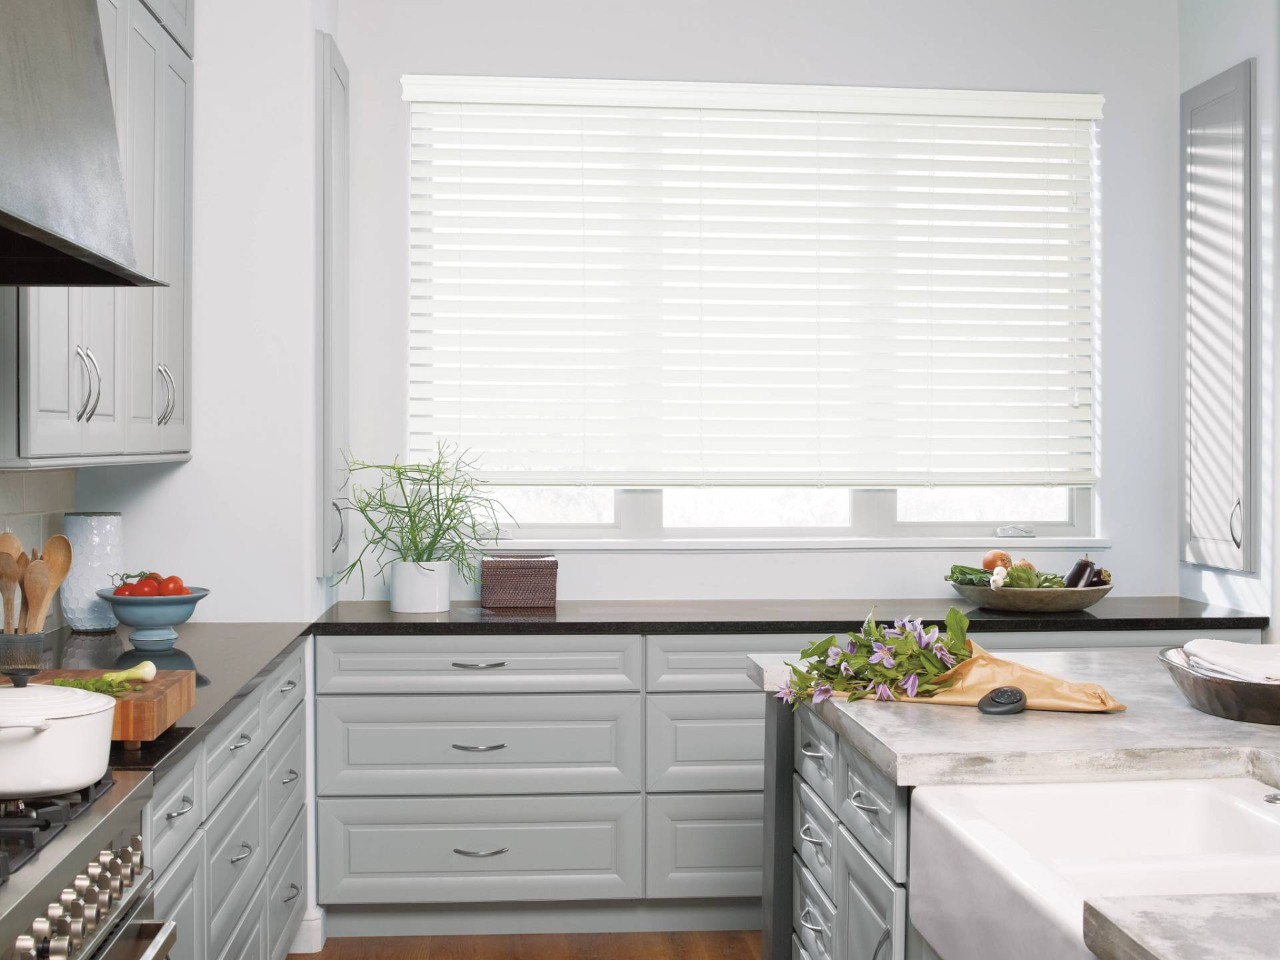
63	219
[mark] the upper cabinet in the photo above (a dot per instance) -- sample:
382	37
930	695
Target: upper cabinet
179	18
100	375
1219	524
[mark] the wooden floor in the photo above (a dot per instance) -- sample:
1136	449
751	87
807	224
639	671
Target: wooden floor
733	945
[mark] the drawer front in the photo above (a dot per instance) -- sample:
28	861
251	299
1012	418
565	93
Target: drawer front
874	809
464	665
231	750
248	941
797	951
704	845
683	663
286	785
286	891
237	859
415	746
180	897
815	754
872	908
813	833
175	812
813	916
705	741
471	849
282	693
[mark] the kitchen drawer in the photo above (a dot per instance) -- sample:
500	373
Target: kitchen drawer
534	848
797	951
466	665
286	785
281	694
813	916
813	833
235	837
712	741
231	750
684	663
248	941
286	888
815	754
541	743
704	845
872	908
180	896
175	812
874	809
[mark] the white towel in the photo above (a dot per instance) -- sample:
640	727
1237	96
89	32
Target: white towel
1236	661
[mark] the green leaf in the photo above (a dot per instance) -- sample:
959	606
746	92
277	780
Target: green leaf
957	626
818	648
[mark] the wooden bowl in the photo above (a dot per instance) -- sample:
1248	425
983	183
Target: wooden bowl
1229	699
1033	599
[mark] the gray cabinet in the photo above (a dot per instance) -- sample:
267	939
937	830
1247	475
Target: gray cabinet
700	845
286	881
179	19
712	741
686	663
180	896
236	836
871	909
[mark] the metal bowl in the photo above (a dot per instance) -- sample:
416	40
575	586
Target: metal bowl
1033	599
1229	699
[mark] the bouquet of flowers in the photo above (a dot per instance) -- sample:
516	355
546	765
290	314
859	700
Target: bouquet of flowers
905	660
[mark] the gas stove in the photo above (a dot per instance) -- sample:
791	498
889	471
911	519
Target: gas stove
28	826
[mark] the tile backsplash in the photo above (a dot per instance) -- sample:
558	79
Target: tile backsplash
32	504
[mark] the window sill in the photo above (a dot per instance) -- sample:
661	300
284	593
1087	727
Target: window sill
793	544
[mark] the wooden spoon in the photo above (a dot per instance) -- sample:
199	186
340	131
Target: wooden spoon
10	544
57	555
35	587
8	589
23	562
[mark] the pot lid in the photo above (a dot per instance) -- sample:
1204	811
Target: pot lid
42	701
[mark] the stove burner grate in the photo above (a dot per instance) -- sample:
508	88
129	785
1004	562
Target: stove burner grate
27	826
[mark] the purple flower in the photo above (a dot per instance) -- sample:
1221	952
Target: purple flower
845	668
852	645
785	693
911	684
943	654
927	638
881	654
833	655
883	692
821	692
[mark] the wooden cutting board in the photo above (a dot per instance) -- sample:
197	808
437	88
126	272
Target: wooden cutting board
141	715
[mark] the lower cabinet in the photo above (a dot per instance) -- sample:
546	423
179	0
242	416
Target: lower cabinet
249	938
872	910
180	897
701	845
286	881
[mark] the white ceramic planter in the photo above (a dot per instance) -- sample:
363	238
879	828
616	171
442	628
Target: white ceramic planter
419	587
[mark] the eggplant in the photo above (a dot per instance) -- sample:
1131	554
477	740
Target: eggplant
1081	573
1101	577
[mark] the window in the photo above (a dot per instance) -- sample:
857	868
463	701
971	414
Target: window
648	285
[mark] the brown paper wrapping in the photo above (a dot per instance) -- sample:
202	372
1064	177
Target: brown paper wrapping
973	679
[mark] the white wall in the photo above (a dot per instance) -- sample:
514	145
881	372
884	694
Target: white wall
1127	51
240	517
1213	36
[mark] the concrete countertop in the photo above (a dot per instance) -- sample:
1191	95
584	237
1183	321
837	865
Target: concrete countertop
1238	926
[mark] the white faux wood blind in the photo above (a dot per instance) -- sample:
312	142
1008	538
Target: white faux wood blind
633	293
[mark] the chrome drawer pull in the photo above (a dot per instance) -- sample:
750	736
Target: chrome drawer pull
816	841
807	749
480	853
1272	798
188	806
248	852
244	741
810	925
289	686
884	938
470	749
480	666
293	775
297	890
871	808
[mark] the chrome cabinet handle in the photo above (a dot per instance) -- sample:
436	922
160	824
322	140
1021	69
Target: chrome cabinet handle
884	938
244	741
864	807
469	749
293	775
173	392
167	395
816	841
188	806
289	686
480	853
342	527
1272	798
294	895
809	924
493	665
88	393
807	749
1236	511
248	852
97	395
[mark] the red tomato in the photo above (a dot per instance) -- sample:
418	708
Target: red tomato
186	592
125	590
172	587
153	576
146	587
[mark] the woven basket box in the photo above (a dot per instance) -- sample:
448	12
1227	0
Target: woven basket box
513	580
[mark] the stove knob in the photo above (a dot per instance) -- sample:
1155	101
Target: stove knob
74	929
90	912
106	856
42	928
135	854
121	877
82	884
67	898
103	893
25	947
60	948
126	867
54	911
93	871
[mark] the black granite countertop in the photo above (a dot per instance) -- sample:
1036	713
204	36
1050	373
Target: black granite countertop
230	660
353	617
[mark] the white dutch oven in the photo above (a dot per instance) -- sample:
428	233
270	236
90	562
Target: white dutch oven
52	739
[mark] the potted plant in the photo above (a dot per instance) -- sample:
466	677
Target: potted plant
422	520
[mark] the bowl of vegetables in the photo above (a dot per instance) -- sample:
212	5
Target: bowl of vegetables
1002	584
153	605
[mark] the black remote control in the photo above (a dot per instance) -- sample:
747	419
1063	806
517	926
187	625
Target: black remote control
1003	700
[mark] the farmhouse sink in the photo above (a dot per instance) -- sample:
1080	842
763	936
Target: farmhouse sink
1004	870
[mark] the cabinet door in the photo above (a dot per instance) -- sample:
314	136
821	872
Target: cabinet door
179	19
871	910
54	374
1219	528
180	897
173	312
333	303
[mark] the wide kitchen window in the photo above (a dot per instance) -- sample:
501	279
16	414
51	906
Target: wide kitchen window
700	308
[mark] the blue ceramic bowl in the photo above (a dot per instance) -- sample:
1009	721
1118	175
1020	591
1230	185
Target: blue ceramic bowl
154	617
